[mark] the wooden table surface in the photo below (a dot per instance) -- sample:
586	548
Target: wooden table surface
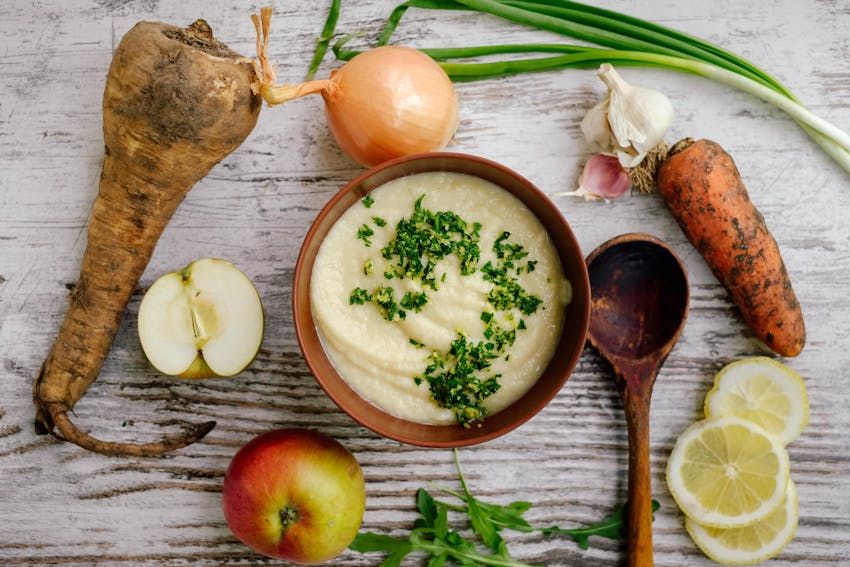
62	505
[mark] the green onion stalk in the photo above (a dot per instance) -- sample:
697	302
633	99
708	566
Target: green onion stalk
624	41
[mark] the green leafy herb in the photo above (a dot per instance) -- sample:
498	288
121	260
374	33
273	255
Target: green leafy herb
507	293
414	301
507	251
425	237
368	201
456	382
612	527
379	222
368	267
359	296
364	232
383	298
433	536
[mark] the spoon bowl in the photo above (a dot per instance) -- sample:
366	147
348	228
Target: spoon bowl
639	304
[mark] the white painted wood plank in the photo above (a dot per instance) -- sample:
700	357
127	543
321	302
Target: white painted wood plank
62	505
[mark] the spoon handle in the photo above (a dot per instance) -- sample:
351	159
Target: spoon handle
639	512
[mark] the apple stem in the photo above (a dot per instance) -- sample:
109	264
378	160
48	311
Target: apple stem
288	516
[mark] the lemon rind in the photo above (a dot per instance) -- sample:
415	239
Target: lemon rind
715	551
691	507
795	389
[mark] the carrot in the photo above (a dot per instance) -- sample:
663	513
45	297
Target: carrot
176	102
703	189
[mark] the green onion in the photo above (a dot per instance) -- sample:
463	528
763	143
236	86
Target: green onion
623	31
324	40
626	41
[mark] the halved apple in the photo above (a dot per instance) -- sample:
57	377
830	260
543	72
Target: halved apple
203	321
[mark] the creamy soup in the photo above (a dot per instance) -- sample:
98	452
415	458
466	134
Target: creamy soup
439	298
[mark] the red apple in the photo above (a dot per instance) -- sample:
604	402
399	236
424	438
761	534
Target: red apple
294	494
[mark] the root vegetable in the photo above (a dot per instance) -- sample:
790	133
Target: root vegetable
703	189
176	102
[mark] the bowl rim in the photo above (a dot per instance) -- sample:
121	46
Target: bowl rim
367	413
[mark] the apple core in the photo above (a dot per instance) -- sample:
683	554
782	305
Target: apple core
203	321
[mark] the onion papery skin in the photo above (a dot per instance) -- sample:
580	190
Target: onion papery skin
390	102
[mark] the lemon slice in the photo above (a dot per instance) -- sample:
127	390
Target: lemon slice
726	472
751	544
763	391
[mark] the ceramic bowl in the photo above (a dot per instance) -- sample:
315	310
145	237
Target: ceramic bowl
570	345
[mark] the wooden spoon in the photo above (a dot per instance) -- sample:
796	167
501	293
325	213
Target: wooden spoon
639	303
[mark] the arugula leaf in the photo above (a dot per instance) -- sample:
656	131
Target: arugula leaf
432	535
612	527
397	548
441	524
482	523
426	505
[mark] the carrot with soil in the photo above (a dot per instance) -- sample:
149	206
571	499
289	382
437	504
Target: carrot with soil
703	189
176	102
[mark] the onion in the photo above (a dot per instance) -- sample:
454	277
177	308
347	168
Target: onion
384	103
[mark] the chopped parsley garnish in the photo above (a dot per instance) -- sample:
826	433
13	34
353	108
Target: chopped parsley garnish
414	301
508	252
427	237
511	295
383	298
359	296
460	379
364	232
368	201
452	378
506	293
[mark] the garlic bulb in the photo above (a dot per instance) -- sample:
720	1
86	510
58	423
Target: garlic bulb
631	120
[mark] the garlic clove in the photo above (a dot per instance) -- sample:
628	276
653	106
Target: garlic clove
595	127
603	177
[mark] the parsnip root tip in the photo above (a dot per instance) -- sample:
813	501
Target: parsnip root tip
66	430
